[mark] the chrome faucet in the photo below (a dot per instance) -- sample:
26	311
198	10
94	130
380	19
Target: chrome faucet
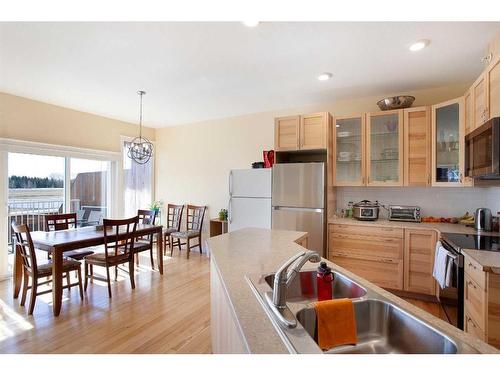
287	273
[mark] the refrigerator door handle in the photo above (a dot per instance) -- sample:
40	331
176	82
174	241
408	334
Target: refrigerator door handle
229	211
282	208
231	183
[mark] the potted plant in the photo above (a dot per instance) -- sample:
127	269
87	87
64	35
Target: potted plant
156	206
223	214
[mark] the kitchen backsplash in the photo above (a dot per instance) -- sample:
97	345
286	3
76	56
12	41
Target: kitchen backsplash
445	202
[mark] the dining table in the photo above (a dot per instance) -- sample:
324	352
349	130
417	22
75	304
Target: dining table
59	242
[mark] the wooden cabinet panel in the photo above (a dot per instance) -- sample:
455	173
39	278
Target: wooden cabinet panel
475	302
469	115
417	156
472	327
475	271
493	84
419	261
479	96
365	246
313	130
286	133
367	230
386	274
384	148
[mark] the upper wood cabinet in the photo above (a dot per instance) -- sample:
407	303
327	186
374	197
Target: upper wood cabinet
479	101
384	148
307	132
469	112
349	163
493	85
448	142
286	133
419	261
417	145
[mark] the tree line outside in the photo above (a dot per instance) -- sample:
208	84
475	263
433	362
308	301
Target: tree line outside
25	182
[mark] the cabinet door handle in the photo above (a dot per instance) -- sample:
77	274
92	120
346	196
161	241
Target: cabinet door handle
471	284
471	321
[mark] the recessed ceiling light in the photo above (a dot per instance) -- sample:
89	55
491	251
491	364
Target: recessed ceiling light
325	76
251	23
421	44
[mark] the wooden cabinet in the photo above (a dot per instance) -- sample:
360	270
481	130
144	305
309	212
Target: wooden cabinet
373	253
384	148
306	132
493	86
286	133
448	143
481	302
349	164
468	112
226	334
419	261
479	101
417	146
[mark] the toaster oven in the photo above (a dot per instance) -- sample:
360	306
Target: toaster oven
404	213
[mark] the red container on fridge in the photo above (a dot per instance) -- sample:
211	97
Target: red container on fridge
324	282
268	158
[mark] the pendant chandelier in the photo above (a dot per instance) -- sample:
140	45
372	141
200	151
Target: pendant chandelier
141	149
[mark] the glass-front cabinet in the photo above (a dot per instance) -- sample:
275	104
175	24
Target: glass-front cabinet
384	148
448	131
349	143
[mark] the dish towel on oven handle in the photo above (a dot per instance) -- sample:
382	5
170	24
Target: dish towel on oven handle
443	266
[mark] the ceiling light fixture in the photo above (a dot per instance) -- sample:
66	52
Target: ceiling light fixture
251	23
325	76
141	149
420	45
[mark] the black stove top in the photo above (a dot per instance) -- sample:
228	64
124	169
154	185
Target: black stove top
473	241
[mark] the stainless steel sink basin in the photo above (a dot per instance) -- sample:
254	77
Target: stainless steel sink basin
303	288
383	328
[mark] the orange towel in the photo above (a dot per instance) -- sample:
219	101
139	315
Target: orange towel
336	323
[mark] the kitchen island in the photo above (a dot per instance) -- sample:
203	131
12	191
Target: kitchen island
239	322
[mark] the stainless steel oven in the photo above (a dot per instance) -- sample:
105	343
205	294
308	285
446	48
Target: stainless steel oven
452	298
482	151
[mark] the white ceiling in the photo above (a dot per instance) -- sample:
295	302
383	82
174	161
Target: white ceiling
200	71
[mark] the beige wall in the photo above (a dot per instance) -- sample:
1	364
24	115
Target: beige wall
30	120
193	161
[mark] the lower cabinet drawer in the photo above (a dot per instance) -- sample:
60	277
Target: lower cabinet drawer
475	302
470	326
384	273
366	246
475	271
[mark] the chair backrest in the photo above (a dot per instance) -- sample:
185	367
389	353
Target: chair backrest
119	236
60	222
24	245
95	217
174	216
147	216
195	216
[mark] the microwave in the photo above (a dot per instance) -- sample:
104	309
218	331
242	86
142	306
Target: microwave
482	151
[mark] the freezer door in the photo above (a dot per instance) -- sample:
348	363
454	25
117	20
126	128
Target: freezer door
299	185
254	183
304	220
249	213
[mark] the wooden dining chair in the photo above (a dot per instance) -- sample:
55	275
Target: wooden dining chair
31	267
145	243
119	238
174	220
194	225
56	222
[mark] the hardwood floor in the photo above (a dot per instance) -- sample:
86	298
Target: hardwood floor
169	314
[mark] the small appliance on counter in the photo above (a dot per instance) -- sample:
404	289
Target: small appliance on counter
483	220
366	210
404	213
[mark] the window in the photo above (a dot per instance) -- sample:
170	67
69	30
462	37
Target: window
137	183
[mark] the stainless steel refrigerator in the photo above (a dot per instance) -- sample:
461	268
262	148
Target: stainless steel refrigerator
298	201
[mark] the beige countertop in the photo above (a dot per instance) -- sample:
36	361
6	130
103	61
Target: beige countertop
260	251
489	260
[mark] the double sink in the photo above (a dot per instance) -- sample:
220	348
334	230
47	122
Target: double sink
382	327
